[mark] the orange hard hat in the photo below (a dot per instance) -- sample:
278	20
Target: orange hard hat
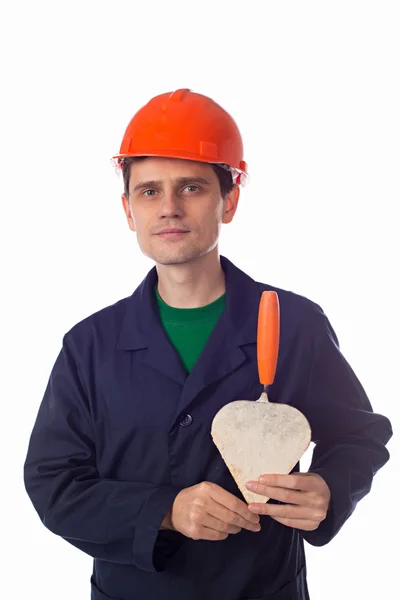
183	124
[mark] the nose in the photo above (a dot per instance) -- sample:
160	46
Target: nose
170	206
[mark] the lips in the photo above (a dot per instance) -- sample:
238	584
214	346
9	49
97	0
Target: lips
172	230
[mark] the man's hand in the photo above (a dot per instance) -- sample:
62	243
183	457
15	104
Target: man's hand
306	497
208	512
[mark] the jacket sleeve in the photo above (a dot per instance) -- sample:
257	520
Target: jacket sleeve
111	520
349	437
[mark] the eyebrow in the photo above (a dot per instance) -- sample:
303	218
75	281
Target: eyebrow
179	181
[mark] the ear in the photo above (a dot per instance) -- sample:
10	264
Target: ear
230	204
128	212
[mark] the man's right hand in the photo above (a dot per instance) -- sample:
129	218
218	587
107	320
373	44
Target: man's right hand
208	512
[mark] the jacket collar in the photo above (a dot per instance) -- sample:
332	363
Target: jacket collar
141	319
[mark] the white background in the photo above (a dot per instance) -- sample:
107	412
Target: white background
314	87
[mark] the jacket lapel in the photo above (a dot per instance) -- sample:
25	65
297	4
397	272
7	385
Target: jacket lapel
142	328
236	327
222	354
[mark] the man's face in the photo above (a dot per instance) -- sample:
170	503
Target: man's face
176	208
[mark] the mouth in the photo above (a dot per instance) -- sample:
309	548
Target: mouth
172	233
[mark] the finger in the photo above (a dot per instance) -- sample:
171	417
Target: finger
303	524
205	526
288	511
232	518
287	495
297	481
199	532
213	522
233	504
211	535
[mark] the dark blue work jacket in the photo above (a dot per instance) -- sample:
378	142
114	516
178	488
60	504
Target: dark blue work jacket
122	429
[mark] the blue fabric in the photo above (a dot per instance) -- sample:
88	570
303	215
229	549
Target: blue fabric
113	445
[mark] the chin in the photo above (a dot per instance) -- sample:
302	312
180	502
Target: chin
175	256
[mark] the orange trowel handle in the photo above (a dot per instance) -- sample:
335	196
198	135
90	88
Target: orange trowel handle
268	337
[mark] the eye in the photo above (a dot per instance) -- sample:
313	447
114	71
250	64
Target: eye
149	193
192	188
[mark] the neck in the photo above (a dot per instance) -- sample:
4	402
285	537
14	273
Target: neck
193	284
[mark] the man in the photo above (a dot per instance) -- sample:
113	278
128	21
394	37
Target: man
121	462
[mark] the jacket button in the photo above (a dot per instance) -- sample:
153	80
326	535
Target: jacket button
186	420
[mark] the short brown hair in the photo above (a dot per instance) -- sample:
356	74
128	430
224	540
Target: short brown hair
224	176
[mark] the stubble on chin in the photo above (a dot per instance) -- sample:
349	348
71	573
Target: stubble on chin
174	255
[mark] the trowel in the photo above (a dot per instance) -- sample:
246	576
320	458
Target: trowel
261	437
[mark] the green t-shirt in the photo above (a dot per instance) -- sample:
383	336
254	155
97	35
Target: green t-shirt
188	329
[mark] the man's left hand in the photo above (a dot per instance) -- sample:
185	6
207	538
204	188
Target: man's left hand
306	497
